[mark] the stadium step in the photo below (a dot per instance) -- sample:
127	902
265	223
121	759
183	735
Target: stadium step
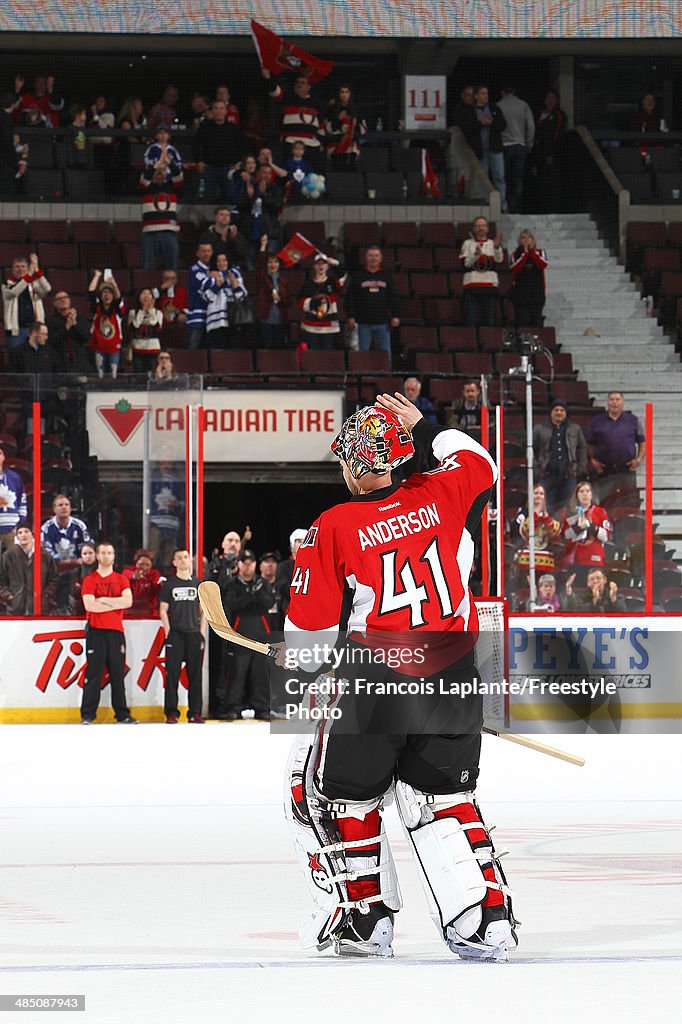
588	290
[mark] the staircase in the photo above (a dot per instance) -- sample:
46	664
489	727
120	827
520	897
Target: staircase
588	290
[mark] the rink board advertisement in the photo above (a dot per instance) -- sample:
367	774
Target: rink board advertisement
42	665
627	663
240	426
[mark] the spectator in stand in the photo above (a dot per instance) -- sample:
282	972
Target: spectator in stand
144	329
223	563
255	125
164	112
222	95
16	576
488	144
560	455
69	335
250	598
372	303
647	119
285	569
465	412
164	372
199	278
244	180
44	99
412	389
517	142
106	331
106	595
586	530
479	255
201	109
341	130
63	536
547	598
267	567
77	144
549	130
22	295
224	288
101	118
296	168
172	298
13	504
464	117
88	565
615	446
301	118
167	503
225	237
601	595
218	146
161	176
528	265
184	624
145	583
35	355
11	166
272	301
265	157
259	213
131	116
547	530
318	300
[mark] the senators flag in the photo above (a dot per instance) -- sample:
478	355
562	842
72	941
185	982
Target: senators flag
430	183
277	55
296	249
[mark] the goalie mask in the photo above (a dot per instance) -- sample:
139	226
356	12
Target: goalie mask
373	440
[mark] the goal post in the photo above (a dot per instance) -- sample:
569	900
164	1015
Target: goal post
492	661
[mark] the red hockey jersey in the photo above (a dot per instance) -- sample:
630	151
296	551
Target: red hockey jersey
401	557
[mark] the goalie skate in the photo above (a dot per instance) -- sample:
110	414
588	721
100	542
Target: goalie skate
490	942
366	931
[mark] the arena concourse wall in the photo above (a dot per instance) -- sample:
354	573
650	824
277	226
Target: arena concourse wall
485	19
43	663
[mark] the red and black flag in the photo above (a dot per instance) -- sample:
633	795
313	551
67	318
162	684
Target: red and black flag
278	55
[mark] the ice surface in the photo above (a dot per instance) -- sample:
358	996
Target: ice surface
150	868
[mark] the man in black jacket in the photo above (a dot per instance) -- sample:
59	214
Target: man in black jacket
488	145
218	147
35	355
16	576
560	455
247	599
69	335
372	303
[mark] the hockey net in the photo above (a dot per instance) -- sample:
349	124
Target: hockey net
491	661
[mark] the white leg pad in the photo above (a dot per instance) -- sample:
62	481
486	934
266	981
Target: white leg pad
321	852
450	870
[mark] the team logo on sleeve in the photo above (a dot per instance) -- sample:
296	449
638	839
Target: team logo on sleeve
310	537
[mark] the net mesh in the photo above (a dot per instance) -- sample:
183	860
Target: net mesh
491	662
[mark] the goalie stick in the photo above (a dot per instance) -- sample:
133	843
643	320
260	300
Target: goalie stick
212	604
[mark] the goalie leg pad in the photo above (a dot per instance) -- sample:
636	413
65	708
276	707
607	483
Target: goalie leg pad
346	858
464	884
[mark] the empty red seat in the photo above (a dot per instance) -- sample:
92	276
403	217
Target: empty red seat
276	361
367	362
458	339
438	234
90	230
235	360
473	364
442	311
433	362
401	233
319	361
429	285
424	338
414	258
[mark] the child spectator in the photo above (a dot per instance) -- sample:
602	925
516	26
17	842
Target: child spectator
78	145
297	167
106	333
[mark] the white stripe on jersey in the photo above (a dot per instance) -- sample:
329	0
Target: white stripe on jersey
465	556
450	441
363	602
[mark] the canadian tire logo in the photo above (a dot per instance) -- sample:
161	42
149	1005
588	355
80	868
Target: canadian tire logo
122	419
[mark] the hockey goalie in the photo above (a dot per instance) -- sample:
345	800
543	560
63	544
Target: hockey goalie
390	567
